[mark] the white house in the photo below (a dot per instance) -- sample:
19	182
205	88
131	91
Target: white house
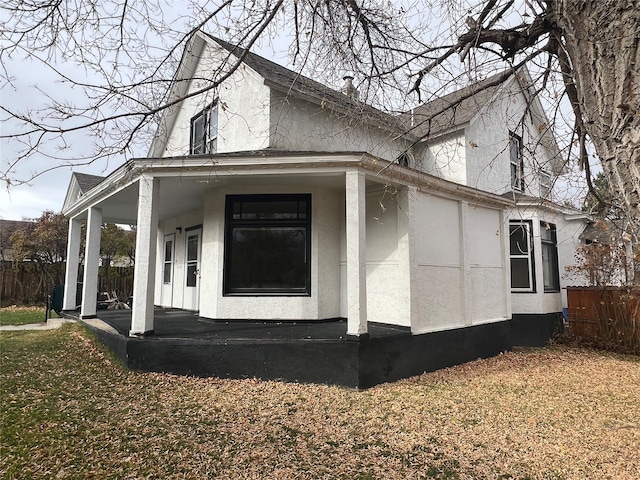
495	137
273	197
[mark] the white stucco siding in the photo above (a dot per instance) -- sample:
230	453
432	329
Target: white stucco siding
486	144
382	259
300	125
243	108
324	301
486	283
445	158
438	260
460	264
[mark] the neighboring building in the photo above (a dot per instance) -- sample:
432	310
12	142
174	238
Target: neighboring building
272	197
8	228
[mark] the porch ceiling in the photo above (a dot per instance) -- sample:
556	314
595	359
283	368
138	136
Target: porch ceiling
184	194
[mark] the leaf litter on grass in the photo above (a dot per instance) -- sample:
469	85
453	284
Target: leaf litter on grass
69	410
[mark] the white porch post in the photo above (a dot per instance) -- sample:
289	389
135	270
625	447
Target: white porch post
356	255
406	208
91	263
145	266
73	258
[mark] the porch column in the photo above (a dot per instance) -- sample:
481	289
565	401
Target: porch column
73	259
406	208
91	263
356	255
144	275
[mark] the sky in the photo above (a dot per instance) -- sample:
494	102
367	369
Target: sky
31	83
47	191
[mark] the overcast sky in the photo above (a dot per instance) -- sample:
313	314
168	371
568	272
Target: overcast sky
47	191
31	82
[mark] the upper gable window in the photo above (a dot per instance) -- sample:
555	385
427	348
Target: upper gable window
516	161
545	184
204	130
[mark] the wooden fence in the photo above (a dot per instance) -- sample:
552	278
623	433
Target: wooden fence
607	317
23	284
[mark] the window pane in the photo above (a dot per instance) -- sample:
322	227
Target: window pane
213	123
268	258
192	247
167	273
520	273
197	135
269	210
547	231
192	275
518	238
168	250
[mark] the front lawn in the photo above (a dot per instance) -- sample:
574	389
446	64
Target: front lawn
23	315
68	410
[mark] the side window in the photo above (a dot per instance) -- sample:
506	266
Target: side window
550	271
516	162
204	131
521	257
545	184
168	259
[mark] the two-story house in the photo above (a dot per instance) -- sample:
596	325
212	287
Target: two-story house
269	196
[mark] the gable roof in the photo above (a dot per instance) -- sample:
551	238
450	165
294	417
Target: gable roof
289	81
79	185
86	182
454	109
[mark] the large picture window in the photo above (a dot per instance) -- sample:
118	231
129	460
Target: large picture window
550	272
204	130
521	257
268	245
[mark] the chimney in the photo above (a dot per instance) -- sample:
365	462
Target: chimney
348	89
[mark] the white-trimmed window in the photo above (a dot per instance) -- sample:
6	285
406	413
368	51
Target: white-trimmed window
521	256
167	264
204	130
549	246
516	162
545	184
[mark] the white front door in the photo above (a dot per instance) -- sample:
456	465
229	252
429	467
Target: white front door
192	270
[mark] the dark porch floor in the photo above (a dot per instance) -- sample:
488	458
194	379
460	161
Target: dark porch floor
309	352
173	323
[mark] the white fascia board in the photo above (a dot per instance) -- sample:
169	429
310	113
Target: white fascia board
178	89
118	180
72	193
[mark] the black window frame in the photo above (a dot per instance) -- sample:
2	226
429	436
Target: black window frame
232	223
516	165
549	247
208	143
528	226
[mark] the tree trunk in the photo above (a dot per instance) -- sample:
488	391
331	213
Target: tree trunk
602	40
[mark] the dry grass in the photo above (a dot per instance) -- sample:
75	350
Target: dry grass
70	411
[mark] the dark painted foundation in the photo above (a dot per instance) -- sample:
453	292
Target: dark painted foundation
531	330
300	352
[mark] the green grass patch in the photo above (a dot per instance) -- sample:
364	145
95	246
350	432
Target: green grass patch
68	409
23	315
